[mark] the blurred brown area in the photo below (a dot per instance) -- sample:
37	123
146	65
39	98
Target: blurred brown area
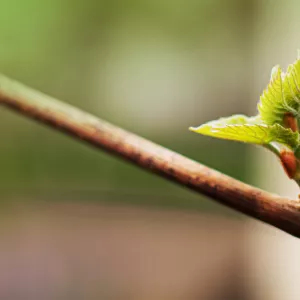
89	251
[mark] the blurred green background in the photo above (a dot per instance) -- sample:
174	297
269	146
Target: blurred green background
154	68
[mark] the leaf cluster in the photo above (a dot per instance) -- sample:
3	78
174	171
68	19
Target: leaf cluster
276	124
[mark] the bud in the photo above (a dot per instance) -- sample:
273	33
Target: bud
289	162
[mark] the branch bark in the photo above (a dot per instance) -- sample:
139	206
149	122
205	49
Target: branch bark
280	212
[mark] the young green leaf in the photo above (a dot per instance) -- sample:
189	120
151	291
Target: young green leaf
291	88
271	106
282	96
235	120
243	129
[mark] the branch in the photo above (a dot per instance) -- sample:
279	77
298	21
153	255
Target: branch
280	212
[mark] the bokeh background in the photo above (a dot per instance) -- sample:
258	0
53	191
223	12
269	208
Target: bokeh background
77	223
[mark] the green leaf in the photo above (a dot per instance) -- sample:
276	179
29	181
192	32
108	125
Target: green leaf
271	106
235	120
248	130
281	96
291	88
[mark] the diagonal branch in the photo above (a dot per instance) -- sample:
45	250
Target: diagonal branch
280	212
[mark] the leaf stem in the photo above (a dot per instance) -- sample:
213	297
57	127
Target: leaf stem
273	147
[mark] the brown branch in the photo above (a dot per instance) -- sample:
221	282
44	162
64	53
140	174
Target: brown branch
280	212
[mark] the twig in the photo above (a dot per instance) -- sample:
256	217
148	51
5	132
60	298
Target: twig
280	212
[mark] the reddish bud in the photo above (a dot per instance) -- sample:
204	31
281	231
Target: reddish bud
289	162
